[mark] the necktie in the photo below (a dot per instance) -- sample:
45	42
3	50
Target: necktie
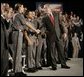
52	19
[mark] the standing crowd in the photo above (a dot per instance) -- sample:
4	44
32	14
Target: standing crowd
31	40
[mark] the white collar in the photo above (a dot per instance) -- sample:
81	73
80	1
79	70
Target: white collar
2	16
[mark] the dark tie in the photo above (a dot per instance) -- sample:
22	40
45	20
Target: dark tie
52	19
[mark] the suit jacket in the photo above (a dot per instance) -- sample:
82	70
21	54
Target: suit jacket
4	48
54	32
59	29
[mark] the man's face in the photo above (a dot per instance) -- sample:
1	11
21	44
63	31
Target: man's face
33	13
77	17
2	7
74	15
30	15
10	13
22	8
56	10
47	9
61	12
66	15
75	34
71	13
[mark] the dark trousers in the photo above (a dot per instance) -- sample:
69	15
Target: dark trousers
60	51
31	53
40	53
51	53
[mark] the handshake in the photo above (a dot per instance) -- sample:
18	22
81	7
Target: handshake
38	31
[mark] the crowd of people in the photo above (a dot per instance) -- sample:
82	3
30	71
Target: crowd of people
36	39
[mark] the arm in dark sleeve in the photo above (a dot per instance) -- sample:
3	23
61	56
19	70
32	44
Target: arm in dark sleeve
62	27
10	27
44	22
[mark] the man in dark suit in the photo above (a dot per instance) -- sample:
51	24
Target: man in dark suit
4	49
53	39
5	16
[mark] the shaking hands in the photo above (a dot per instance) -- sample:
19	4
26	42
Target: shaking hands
38	31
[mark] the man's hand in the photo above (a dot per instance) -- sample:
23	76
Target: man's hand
38	31
64	36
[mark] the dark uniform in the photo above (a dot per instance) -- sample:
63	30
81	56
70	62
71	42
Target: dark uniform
17	40
41	53
31	49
